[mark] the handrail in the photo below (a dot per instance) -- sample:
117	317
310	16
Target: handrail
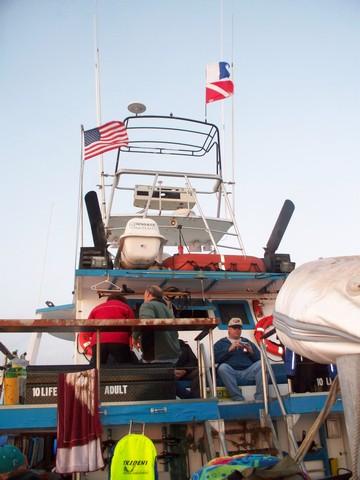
79	324
165	173
292	440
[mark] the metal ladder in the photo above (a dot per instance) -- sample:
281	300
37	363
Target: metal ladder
217	427
206	225
265	416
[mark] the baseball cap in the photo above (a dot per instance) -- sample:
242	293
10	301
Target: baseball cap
235	322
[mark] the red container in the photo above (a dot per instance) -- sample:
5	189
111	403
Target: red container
213	262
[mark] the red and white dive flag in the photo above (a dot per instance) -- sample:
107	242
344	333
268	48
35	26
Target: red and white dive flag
218	83
102	139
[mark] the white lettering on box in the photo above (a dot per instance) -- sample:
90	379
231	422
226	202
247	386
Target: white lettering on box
115	389
44	391
36	392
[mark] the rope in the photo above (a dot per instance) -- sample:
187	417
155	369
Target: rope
300	330
304	447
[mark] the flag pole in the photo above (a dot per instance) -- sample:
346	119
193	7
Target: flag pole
221	59
233	117
80	216
98	117
222	111
205	97
81	190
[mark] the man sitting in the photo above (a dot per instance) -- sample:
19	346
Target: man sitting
157	345
186	368
239	362
115	346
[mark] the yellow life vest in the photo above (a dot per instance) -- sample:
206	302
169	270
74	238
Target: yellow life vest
134	458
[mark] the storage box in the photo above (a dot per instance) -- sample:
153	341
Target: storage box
128	383
212	262
135	383
310	376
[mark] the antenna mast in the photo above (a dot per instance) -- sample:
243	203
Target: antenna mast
98	119
233	118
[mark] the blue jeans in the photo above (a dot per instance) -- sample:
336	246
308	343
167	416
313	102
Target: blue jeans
231	378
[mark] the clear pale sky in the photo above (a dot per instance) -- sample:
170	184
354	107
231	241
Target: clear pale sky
297	119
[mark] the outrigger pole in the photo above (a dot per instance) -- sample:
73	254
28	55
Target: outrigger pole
98	118
232	118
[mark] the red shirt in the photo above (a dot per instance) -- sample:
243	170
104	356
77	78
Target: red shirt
111	309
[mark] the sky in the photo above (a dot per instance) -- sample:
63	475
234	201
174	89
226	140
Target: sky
296	119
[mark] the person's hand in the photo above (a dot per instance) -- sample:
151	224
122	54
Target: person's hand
248	348
235	346
179	373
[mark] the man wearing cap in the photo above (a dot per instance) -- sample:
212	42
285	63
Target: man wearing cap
238	361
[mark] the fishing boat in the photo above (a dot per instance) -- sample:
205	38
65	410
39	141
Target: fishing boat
165	217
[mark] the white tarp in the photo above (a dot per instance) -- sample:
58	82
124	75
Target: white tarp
317	311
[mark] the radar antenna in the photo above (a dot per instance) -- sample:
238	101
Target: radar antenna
137	108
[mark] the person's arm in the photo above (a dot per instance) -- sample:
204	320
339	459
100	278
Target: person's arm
146	311
192	360
130	312
91	336
221	350
252	350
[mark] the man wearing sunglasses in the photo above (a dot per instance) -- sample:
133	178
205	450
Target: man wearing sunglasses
238	362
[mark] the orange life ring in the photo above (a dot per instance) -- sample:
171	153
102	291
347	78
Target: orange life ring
271	347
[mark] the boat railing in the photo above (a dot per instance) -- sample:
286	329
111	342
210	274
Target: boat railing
204	326
170	135
219	189
216	179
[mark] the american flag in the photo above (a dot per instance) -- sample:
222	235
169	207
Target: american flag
102	139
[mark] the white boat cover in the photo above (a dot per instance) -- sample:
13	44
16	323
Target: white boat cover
317	311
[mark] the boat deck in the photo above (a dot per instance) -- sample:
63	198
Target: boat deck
197	282
44	417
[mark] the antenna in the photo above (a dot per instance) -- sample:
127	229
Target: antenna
279	228
137	108
98	116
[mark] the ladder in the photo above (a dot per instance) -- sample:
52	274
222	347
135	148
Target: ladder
216	427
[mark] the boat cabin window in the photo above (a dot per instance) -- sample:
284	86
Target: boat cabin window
227	310
192	309
194	312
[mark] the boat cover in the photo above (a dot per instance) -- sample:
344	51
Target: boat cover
317	311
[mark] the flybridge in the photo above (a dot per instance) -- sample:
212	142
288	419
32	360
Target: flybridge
187	206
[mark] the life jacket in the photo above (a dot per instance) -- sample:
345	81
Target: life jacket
134	458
